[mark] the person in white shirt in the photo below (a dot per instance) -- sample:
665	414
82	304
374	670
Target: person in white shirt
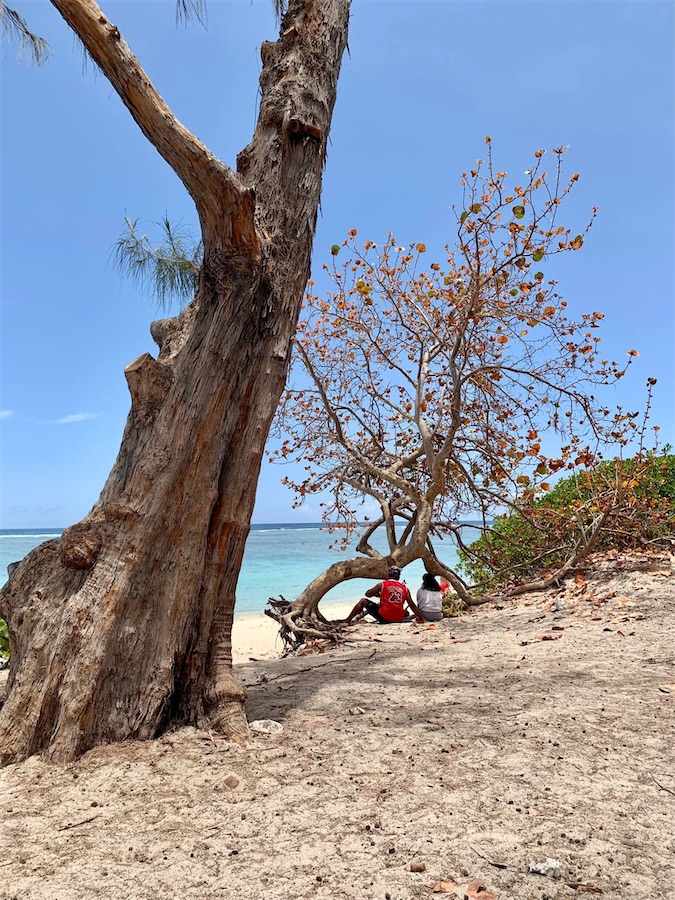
430	599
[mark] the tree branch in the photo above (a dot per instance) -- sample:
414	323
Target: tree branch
216	190
389	475
583	547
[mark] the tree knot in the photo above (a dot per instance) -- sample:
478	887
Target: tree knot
80	545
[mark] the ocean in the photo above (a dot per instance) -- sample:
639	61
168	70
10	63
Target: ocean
279	559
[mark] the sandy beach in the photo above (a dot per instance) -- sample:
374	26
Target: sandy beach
449	760
255	636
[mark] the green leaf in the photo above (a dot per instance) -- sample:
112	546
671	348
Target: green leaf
169	270
538	255
519	212
514	292
186	9
539	276
4	638
464	216
476	207
335	249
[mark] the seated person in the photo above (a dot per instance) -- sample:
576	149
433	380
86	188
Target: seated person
393	598
430	599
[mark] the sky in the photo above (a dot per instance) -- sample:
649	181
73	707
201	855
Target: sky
422	86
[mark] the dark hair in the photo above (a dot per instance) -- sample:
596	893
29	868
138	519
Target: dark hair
394	572
429	582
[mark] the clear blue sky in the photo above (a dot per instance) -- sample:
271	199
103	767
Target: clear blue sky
425	82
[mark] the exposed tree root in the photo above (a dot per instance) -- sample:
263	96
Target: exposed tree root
303	628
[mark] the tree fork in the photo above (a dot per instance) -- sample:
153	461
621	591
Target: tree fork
122	626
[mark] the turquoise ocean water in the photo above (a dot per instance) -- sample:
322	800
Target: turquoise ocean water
279	559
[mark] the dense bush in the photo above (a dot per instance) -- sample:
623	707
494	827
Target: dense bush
638	495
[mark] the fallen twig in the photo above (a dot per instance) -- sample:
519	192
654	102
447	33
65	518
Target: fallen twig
662	786
311	668
497	865
77	824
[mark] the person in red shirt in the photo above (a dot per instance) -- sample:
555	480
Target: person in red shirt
393	596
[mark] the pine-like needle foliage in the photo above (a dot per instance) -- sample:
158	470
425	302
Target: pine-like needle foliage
280	7
190	9
168	271
15	28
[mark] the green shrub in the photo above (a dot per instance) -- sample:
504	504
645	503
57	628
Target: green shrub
4	643
453	605
521	545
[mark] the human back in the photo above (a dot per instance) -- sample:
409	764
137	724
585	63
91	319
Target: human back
393	597
430	599
392	600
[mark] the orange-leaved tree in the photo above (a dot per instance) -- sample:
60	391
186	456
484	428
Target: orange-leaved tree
434	390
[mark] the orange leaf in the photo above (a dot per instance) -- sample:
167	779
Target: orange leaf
502	339
421	248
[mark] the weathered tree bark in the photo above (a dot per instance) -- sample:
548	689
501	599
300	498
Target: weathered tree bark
122	625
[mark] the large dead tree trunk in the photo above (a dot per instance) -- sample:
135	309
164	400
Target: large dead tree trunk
122	625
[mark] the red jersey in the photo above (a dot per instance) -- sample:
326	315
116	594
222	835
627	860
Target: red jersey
392	600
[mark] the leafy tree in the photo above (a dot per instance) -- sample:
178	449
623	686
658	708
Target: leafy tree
122	626
433	390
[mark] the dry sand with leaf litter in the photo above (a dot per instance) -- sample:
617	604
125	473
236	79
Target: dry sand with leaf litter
473	748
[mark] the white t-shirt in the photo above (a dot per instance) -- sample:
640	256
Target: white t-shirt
429	601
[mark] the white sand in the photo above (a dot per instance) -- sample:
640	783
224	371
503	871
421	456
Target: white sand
533	729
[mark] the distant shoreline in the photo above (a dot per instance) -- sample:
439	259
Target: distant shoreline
258	526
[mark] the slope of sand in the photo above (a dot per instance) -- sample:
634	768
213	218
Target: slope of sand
472	748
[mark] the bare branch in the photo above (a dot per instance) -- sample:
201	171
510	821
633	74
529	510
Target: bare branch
217	192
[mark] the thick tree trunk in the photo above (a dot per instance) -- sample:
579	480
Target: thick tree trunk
123	624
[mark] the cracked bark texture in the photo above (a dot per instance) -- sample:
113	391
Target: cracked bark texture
122	626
